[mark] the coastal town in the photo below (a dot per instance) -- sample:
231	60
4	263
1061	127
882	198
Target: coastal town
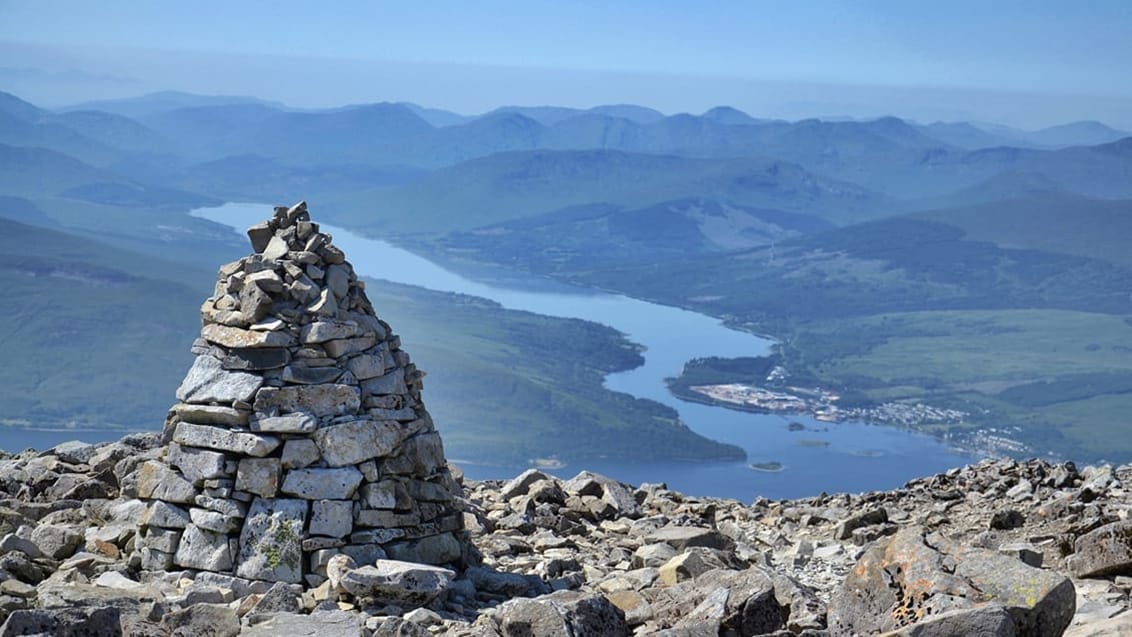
822	405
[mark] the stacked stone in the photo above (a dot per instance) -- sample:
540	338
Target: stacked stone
299	433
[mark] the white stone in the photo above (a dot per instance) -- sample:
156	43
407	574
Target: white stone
287	423
259	476
204	550
398	582
271	541
327	330
391	383
247	444
196	464
322	484
332	518
240	338
299	453
156	481
358	441
316	400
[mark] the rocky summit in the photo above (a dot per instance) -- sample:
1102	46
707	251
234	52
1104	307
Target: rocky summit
300	488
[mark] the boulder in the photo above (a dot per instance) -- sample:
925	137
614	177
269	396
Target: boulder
1103	552
561	614
397	582
901	581
322	624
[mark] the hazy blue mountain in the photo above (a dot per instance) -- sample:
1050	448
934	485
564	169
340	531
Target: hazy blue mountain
100	336
114	130
967	135
31	172
258	178
1082	133
24	211
1011	184
162	101
22	124
631	112
513	185
730	116
545	115
20	109
594	236
212	131
438	117
1059	223
37	172
500	131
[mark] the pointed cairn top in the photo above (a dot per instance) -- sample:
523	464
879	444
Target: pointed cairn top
299	432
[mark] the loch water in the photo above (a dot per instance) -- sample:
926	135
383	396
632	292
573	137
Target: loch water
823	457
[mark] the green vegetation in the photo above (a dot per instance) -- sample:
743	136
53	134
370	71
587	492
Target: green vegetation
102	336
911	310
511	386
90	339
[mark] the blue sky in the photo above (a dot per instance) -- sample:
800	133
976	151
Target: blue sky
1031	63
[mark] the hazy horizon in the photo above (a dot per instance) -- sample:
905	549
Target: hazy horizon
1028	65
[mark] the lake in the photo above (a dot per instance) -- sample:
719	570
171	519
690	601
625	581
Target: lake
823	457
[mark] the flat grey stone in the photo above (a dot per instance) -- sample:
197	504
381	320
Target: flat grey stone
57	541
213	521
299	453
271	541
366	366
358	441
259	476
208	382
256	358
275	249
302	375
295	423
328	330
391	383
398	582
338	280
435	549
259	235
166	516
156	481
332	518
196	464
210	437
204	550
74	451
341	347
12	542
316	400
211	414
322	484
267	280
1103	551
234	337
320	624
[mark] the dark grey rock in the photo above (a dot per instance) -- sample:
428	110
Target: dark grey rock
1103	552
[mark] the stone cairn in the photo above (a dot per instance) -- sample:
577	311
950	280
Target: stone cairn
299	431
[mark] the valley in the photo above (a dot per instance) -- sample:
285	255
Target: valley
966	283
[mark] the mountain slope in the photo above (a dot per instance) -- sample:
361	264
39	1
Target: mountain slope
514	185
1062	224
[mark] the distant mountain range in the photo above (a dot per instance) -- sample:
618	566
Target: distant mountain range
851	241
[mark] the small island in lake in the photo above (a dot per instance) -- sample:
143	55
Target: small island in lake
767	467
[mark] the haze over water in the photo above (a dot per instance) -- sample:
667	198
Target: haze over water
824	457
